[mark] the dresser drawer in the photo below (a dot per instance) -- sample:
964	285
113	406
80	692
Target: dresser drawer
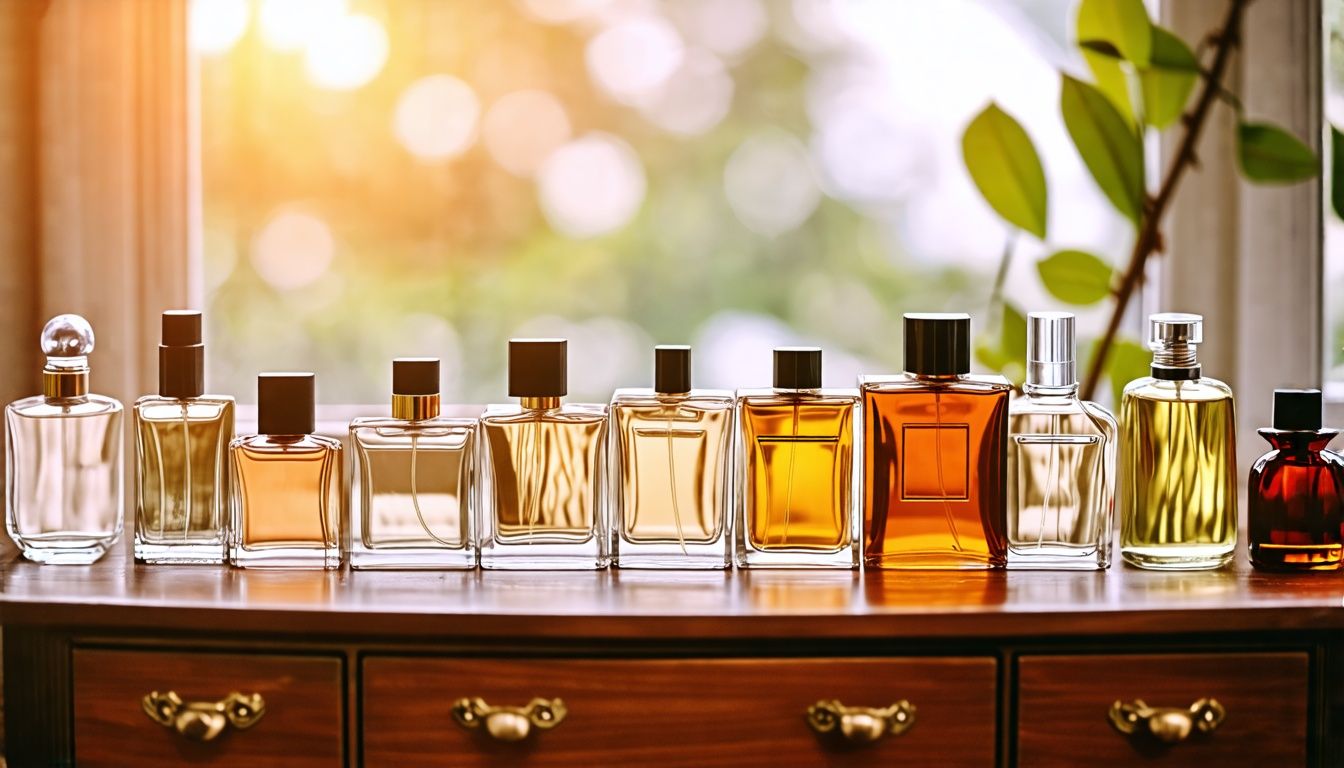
301	724
1064	706
679	712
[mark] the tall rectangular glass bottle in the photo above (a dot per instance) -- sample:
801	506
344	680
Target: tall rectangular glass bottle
286	483
1061	459
1178	460
935	458
181	443
410	495
795	469
669	481
541	469
63	500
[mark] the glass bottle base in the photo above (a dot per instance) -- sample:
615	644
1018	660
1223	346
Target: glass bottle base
522	556
179	554
1055	557
670	556
412	558
310	558
754	558
1301	557
933	561
64	551
1179	558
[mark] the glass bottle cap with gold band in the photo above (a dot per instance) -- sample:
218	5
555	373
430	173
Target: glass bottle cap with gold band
415	388
67	341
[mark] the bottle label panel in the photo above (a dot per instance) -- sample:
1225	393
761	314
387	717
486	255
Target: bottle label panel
950	445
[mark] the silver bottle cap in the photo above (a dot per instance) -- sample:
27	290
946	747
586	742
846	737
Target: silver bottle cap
1051	350
1172	337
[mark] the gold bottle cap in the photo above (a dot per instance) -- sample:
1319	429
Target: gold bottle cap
415	388
67	341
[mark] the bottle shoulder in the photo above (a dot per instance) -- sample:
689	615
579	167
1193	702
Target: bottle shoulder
707	399
975	383
203	408
405	425
776	397
286	444
1199	390
567	413
39	407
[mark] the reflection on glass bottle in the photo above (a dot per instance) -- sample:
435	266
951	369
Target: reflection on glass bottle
411	490
1061	459
669	470
1296	491
63	456
796	469
286	483
935	459
181	441
541	472
1178	494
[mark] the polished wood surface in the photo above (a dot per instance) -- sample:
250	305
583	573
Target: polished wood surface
303	726
1063	703
679	714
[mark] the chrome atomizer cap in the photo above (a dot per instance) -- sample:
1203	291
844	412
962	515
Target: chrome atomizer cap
1051	350
1172	336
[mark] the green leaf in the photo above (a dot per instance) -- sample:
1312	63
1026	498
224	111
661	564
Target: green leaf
1268	153
1123	23
1076	277
1128	360
1110	149
1168	79
1006	169
1337	171
1111	80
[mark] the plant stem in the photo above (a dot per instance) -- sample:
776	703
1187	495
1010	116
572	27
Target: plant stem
1001	277
1149	235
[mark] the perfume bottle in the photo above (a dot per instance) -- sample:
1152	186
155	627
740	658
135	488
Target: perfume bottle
541	471
795	469
934	482
411	486
1178	489
1061	459
286	483
181	442
669	457
1296	490
63	456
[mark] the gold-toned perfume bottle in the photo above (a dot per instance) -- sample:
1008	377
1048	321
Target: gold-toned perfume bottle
286	483
669	455
181	445
541	469
796	469
1178	460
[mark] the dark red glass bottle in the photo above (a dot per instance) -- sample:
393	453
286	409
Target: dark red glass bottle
1296	508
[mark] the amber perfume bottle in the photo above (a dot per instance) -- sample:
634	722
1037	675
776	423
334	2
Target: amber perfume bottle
63	500
795	469
1061	459
410	493
1178	457
181	444
286	483
669	481
1295	492
541	470
934	465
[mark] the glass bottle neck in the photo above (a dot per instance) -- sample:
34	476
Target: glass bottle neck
539	403
1037	390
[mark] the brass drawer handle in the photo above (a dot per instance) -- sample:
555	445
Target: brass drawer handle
1169	725
509	723
203	720
861	725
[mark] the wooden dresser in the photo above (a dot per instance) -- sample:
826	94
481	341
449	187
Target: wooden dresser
669	669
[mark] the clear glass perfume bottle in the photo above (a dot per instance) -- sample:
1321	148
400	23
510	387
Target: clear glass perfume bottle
669	481
181	443
1296	490
935	464
795	469
63	456
1178	457
286	488
1061	459
410	493
541	469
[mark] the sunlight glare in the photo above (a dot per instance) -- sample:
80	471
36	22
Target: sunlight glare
346	52
436	117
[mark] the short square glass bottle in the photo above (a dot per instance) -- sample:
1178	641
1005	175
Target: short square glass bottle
63	501
795	469
1296	490
935	458
1061	459
286	483
542	467
181	445
410	494
670	458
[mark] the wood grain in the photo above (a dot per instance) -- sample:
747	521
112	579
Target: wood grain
674	713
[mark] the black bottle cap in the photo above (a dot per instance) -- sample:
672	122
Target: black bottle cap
285	404
1297	409
797	367
937	343
537	367
671	368
181	355
415	376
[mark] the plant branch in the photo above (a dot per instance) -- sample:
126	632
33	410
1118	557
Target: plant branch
1149	235
1005	260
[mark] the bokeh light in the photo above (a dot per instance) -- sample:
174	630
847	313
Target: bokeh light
288	25
436	117
769	183
562	11
695	99
215	26
293	250
726	27
524	127
591	186
345	52
631	59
